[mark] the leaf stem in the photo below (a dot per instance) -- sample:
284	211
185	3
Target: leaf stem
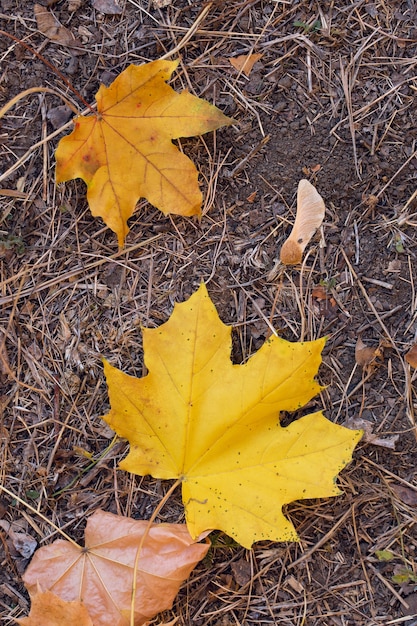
140	546
27	92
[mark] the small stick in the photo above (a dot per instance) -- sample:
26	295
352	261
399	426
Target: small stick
383	317
369	105
321	541
44	150
309	74
22	293
188	34
51	67
27	154
45	519
239	167
388	586
380	283
394	176
370	303
408	393
347	89
27	92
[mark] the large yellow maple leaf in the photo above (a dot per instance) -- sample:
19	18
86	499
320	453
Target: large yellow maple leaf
215	425
124	151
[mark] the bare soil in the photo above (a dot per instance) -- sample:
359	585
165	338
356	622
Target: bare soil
333	100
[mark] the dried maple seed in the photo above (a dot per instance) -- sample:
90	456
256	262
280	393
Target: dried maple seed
309	217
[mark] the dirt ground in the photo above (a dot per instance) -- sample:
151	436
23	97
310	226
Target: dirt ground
332	99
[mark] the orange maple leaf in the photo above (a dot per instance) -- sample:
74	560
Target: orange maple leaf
47	609
245	62
125	152
101	574
215	426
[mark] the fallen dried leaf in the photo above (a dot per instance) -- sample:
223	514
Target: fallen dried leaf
326	304
23	543
411	356
368	434
47	609
319	293
125	151
294	584
245	62
309	217
101	574
411	600
58	116
315	168
49	26
368	357
405	494
108	7
3	504
393	267
241	572
74	5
